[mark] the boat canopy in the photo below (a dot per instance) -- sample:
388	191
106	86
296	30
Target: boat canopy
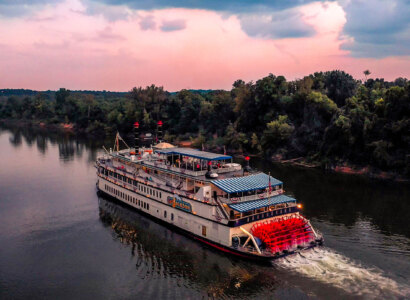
246	183
251	205
163	145
194	153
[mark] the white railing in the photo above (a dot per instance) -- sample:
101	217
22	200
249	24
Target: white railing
251	197
175	169
188	171
153	185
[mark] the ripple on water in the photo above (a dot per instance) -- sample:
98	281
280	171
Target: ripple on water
327	266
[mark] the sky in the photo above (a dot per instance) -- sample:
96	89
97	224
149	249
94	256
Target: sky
193	44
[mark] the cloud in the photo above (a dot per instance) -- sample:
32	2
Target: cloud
147	23
108	35
233	6
173	25
377	28
110	12
283	24
11	9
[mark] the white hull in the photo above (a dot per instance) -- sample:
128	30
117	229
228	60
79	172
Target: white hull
158	208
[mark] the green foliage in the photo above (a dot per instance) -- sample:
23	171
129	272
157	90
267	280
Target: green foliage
327	116
276	133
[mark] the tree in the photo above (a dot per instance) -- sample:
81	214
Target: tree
276	133
366	73
339	86
61	96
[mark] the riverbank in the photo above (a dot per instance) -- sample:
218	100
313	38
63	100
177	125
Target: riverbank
346	168
303	162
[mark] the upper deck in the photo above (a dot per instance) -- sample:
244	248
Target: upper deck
185	162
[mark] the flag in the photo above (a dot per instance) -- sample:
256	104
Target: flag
224	150
270	186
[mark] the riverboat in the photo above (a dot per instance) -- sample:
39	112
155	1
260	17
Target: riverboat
208	197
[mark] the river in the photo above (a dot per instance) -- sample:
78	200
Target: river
60	240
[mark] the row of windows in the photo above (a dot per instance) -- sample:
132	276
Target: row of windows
119	176
127	198
141	187
150	191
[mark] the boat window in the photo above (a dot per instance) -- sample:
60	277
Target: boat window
148	206
203	230
165	213
172	217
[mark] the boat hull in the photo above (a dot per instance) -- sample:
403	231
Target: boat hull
209	243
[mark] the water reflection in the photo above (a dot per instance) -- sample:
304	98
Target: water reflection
51	225
70	146
164	253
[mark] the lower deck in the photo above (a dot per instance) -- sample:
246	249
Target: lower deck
153	206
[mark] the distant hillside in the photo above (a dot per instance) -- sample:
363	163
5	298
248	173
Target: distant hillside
51	94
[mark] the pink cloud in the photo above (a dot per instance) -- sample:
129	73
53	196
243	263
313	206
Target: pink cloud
63	46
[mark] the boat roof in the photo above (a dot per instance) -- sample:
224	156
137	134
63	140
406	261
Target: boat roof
255	204
163	145
194	153
246	183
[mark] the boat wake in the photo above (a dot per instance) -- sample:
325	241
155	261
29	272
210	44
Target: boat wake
327	266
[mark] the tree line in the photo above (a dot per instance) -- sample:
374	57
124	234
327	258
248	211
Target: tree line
326	117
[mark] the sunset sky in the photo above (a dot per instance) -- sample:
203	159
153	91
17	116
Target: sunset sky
118	44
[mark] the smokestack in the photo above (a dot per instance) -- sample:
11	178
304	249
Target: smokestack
159	131
136	134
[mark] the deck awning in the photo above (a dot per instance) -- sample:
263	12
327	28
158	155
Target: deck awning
194	153
251	205
246	183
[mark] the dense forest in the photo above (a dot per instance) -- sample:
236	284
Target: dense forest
328	118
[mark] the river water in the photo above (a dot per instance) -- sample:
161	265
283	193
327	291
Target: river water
59	240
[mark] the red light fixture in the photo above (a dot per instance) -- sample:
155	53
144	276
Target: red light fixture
247	158
159	123
136	124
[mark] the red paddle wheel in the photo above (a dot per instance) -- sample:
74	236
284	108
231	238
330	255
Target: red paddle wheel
284	233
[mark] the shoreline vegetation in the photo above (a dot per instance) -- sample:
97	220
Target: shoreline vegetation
326	120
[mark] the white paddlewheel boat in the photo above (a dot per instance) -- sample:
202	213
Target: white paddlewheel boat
208	197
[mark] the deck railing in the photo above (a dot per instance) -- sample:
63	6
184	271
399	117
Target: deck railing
251	197
188	171
152	184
